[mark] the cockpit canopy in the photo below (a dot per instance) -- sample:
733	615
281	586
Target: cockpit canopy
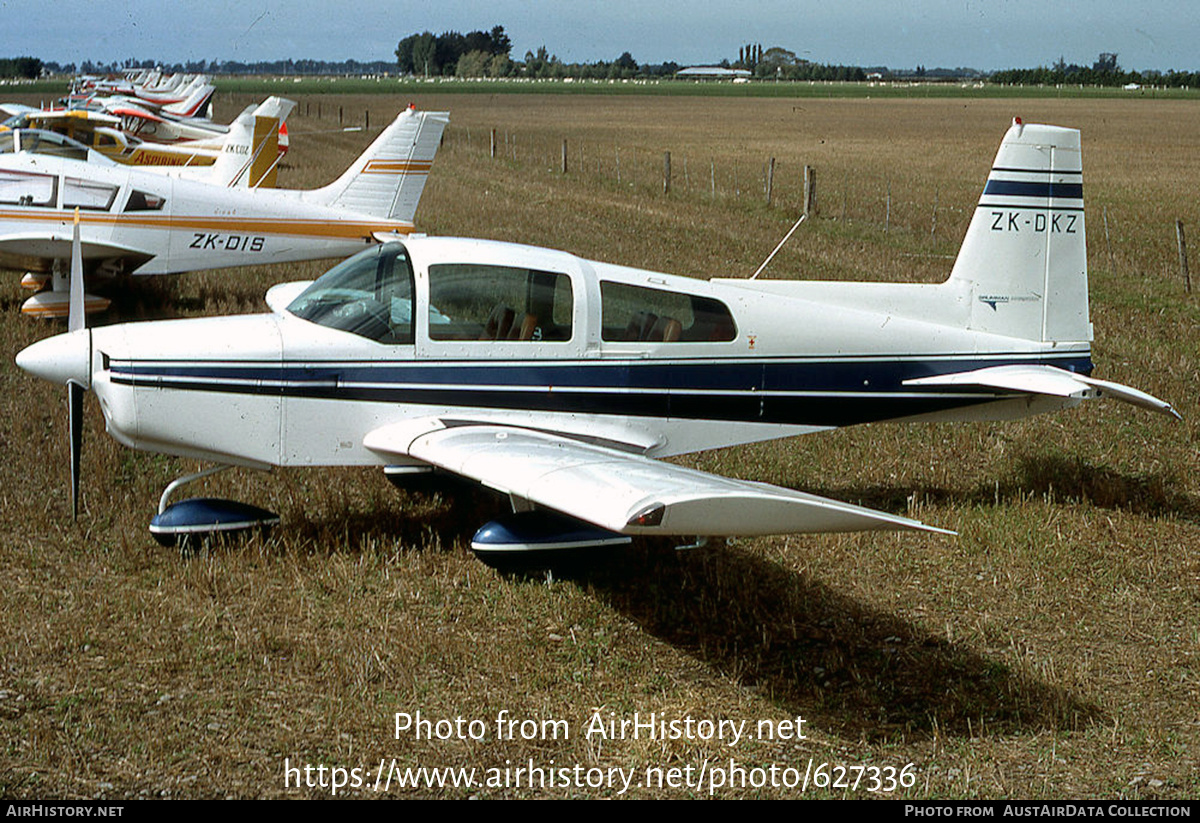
469	299
369	294
40	141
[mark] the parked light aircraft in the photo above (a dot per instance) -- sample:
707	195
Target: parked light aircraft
142	222
187	93
559	381
255	133
161	126
195	105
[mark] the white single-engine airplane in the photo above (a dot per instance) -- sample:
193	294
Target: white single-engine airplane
558	380
142	222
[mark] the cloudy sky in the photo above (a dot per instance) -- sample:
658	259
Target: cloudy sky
1157	34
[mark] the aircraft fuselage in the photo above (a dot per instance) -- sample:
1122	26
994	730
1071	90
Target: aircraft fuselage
749	361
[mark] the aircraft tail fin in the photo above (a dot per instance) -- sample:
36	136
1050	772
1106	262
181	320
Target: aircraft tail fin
270	141
194	103
1023	262
250	153
388	178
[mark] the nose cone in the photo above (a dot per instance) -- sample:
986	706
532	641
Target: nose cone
60	359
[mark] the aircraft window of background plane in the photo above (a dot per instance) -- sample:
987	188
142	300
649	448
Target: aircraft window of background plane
28	189
637	313
51	144
370	295
144	201
499	303
87	194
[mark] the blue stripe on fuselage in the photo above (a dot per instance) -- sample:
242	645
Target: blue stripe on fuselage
807	392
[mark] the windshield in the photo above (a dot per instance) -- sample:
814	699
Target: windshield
369	295
38	141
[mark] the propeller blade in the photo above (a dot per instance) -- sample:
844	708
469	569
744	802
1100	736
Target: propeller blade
75	420
76	318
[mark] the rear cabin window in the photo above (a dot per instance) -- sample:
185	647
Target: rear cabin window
27	189
144	201
499	303
637	313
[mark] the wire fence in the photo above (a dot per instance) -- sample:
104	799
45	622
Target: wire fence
896	203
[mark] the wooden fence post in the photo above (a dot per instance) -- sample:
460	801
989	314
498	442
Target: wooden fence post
564	156
666	172
1112	267
887	215
1183	266
810	191
770	179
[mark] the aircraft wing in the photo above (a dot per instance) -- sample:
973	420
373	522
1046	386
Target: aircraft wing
57	246
621	491
1047	380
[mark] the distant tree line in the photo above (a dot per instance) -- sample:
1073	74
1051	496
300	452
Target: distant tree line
474	54
1104	72
777	63
280	67
20	67
488	54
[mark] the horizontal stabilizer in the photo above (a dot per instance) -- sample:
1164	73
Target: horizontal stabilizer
1046	380
620	491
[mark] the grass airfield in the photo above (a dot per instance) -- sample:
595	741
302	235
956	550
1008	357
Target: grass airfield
1049	651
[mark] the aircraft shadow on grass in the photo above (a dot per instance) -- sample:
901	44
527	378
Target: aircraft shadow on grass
824	655
818	652
1058	478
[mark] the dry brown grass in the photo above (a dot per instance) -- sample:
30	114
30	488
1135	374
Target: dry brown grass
1049	651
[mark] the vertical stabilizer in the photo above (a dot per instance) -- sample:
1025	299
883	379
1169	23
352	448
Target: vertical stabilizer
1023	262
387	180
250	151
194	104
269	120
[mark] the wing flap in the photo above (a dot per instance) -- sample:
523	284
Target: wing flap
1047	380
620	491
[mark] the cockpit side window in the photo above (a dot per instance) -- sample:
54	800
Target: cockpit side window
87	194
370	295
470	301
637	313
